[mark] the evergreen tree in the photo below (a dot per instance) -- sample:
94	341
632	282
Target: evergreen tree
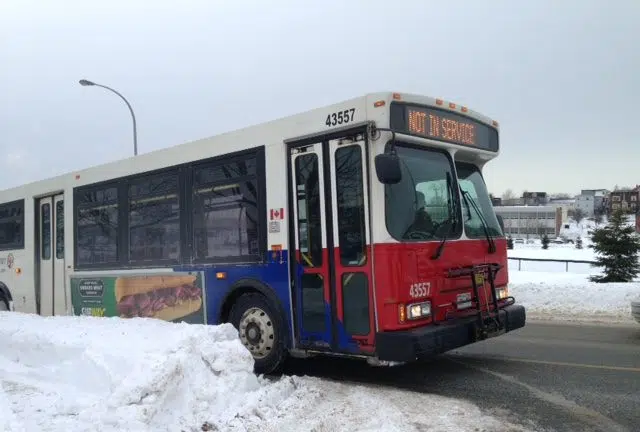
579	243
509	242
617	246
545	241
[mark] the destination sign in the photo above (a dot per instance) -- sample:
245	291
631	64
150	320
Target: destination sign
442	125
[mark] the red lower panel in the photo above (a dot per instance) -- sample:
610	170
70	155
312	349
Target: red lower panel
399	265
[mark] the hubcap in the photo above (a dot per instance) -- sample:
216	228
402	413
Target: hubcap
256	332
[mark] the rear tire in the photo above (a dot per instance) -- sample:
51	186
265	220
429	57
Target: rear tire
261	331
4	304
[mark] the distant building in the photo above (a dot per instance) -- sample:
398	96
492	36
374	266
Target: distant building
534	198
591	200
568	204
626	199
512	202
532	221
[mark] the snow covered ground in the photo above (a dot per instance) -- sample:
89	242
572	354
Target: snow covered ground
109	374
572	297
549	291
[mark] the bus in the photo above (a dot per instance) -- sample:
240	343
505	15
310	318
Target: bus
362	229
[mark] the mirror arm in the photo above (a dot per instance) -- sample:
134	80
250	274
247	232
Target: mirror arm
375	129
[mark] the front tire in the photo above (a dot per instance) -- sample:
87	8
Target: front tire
261	330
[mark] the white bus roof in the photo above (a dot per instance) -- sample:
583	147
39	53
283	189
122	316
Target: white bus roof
307	123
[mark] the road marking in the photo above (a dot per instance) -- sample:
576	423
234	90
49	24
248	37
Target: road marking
585	414
552	363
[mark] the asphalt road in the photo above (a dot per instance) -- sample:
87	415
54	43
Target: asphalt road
546	376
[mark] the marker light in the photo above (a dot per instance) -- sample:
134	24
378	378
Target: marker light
463	300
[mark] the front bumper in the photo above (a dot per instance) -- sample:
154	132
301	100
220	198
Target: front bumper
417	344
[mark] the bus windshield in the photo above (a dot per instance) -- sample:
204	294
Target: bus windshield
422	205
471	181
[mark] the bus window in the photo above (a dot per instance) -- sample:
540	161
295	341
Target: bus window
309	212
60	230
471	181
97	226
12	225
154	218
225	210
45	222
350	199
419	207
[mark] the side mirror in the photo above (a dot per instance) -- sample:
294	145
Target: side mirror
388	168
500	222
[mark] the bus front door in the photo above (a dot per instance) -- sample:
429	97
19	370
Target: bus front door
330	244
50	293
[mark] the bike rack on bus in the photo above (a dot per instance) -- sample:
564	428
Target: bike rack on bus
489	270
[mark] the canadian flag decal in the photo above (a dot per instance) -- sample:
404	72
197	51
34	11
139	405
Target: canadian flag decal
277	214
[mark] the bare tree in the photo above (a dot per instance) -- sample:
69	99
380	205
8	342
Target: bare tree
598	217
578	215
508	195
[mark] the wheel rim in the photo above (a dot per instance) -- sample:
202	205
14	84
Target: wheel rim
256	332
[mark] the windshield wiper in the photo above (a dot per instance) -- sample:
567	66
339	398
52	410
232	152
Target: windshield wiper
483	221
452	220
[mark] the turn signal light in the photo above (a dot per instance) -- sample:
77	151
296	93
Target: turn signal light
402	313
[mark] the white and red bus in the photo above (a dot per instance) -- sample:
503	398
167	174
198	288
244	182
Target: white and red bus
360	229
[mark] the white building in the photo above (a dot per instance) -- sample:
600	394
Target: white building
589	200
532	221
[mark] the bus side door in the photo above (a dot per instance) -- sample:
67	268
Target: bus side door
330	244
50	293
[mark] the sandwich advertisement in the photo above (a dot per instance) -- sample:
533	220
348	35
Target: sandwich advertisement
167	296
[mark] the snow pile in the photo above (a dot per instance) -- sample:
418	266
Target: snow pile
73	373
570	296
110	374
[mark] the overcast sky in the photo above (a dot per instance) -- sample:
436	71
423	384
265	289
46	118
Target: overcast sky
561	77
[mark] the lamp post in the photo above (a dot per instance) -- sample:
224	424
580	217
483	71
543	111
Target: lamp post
84	82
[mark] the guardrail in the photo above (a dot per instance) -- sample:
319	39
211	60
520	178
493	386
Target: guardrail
551	260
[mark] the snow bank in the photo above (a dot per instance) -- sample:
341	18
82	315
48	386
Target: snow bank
570	296
81	373
110	374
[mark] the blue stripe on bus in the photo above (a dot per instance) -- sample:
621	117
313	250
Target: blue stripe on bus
275	274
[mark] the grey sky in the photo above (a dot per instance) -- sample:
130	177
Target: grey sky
560	76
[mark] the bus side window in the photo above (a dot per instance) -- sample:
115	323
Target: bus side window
60	230
350	199
309	212
45	221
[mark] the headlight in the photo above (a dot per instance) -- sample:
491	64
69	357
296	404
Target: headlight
418	310
502	293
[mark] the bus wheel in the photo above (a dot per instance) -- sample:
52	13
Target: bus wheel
261	331
4	305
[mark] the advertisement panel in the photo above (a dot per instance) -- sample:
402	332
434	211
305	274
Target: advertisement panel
176	297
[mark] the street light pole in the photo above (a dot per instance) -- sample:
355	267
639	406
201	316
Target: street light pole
84	82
